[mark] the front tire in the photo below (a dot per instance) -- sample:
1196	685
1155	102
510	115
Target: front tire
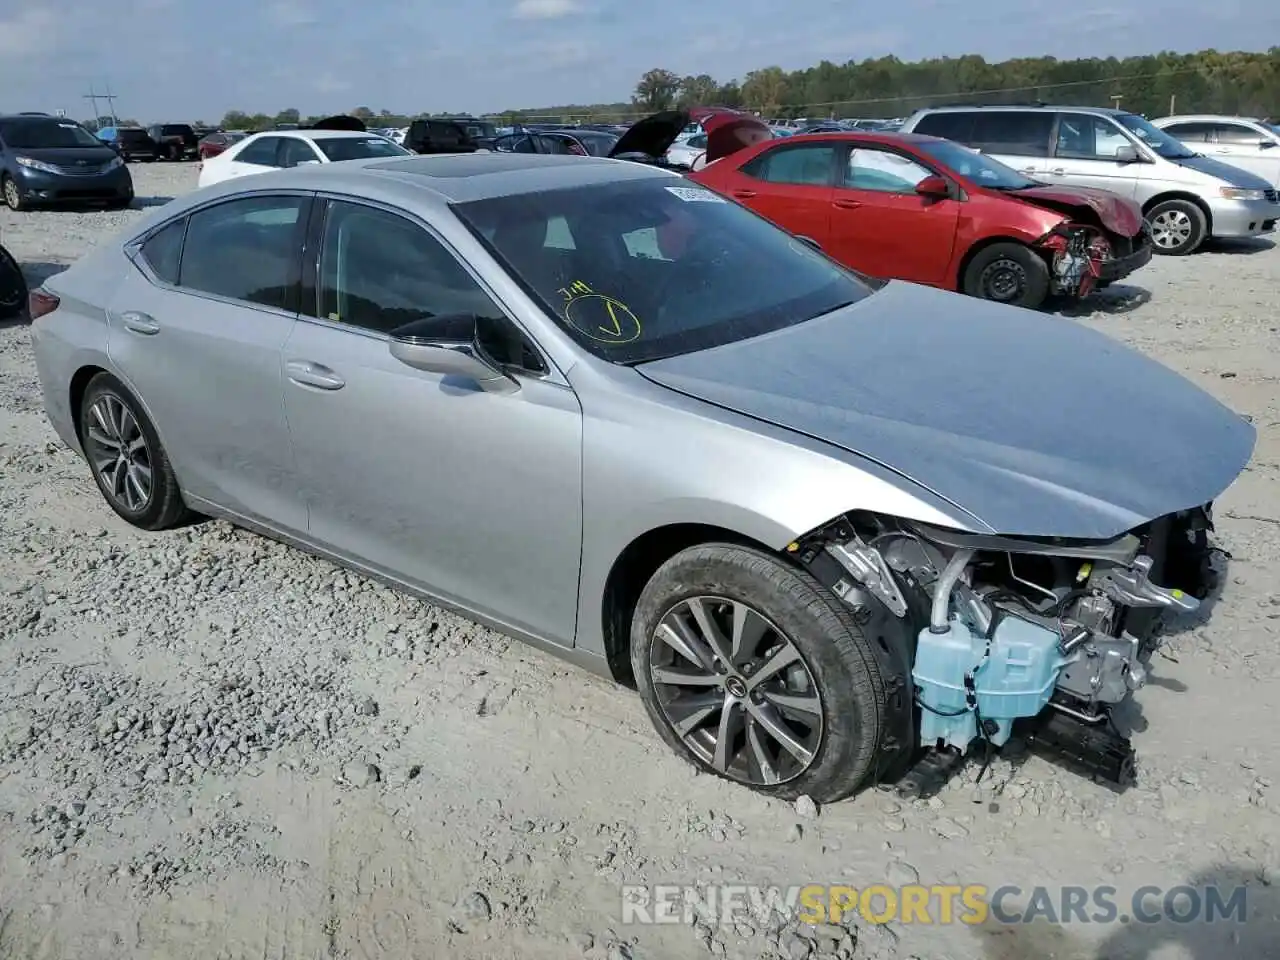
1008	273
129	465
13	197
795	707
1178	227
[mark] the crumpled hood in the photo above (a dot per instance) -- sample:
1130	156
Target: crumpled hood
1116	213
1032	424
1224	171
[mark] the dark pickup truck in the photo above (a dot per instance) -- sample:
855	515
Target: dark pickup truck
175	141
134	143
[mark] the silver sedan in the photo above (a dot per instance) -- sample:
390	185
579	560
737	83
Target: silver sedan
835	531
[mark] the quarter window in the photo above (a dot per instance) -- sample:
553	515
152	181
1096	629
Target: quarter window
260	152
883	171
162	251
245	249
806	165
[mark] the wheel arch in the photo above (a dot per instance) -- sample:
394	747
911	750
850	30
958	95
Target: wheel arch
1185	196
79	383
633	568
75	393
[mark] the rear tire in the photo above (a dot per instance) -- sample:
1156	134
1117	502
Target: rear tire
1178	227
128	463
827	702
1007	273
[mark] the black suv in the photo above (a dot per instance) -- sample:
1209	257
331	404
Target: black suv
438	136
175	141
134	143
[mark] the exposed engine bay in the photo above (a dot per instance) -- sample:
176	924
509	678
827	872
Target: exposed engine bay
994	632
1082	257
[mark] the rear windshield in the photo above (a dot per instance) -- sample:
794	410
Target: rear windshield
642	269
358	148
132	136
36	134
477	128
176	130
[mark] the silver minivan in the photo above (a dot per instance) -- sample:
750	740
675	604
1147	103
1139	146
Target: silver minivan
1243	142
1185	195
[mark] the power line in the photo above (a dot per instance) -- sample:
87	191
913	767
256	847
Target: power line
830	104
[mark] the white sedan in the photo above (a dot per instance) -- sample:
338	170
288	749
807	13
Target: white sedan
683	153
276	149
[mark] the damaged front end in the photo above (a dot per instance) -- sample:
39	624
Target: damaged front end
984	633
1083	258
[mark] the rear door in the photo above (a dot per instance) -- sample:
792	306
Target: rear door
792	185
1245	146
881	226
257	157
1084	155
197	332
1019	138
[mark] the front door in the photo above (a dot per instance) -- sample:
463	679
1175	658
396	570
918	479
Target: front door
1248	148
1085	155
881	226
198	336
475	497
257	157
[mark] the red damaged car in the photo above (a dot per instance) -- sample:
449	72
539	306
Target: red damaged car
910	207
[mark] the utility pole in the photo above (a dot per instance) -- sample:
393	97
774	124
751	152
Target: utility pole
1115	100
93	98
111	105
1173	98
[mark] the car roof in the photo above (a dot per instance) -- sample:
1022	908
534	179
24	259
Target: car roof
449	178
1181	117
1050	107
885	137
317	134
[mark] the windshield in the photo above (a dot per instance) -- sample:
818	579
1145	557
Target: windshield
1273	128
38	134
978	167
1154	137
642	269
358	148
597	144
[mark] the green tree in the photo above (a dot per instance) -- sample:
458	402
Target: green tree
699	91
288	115
657	90
764	90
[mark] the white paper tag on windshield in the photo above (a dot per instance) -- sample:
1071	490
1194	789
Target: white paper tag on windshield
696	195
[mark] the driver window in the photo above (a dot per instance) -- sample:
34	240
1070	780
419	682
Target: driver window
882	171
379	271
1084	137
294	151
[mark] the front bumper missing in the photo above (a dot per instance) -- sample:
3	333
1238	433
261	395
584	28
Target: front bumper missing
1081	259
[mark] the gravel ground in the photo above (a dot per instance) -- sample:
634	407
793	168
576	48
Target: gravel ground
214	746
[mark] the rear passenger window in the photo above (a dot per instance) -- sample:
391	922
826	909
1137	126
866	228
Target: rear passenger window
948	126
808	165
162	251
261	152
1190	132
1015	133
245	249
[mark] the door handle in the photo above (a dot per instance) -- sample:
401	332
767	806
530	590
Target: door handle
846	204
1027	170
310	374
1058	172
142	323
1222	151
744	194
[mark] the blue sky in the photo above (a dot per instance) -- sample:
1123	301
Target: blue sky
176	59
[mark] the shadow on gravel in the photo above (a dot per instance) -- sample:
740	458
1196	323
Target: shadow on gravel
1235	245
1172	922
1117	299
144	203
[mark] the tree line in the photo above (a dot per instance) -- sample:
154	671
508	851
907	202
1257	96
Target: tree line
1209	81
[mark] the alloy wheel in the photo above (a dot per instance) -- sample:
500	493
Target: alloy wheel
1003	280
736	690
119	453
1171	229
11	195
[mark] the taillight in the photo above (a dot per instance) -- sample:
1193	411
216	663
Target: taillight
41	302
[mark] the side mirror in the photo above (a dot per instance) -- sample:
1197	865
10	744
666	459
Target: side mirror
935	188
449	345
1128	154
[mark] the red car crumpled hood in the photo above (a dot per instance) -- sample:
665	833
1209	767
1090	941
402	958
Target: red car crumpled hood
1114	212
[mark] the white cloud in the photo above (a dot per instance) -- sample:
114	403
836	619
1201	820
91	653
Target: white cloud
545	9
290	13
29	34
328	83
